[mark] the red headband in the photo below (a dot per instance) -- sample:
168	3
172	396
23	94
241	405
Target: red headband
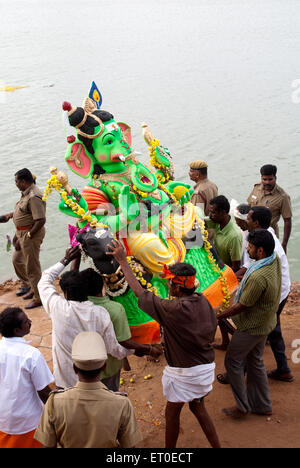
187	282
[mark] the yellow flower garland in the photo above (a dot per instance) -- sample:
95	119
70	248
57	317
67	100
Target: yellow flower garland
53	182
215	266
153	162
139	276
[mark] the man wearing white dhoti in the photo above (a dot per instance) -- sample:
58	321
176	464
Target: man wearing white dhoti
189	325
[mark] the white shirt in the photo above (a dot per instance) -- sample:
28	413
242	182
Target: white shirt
69	318
285	269
23	373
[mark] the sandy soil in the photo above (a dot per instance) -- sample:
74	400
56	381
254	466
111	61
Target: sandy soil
282	430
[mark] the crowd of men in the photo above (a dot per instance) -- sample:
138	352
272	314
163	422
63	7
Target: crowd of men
91	338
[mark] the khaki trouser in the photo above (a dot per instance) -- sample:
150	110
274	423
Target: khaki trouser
26	260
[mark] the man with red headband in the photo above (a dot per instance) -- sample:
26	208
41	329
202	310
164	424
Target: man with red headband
189	325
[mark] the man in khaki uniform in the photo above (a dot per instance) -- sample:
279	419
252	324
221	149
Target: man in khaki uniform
268	193
204	190
29	218
108	418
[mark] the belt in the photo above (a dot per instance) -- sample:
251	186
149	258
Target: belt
23	228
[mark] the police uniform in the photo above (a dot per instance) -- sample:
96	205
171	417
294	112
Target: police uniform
277	200
204	190
88	415
26	262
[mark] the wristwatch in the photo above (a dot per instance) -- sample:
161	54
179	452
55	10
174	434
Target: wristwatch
65	261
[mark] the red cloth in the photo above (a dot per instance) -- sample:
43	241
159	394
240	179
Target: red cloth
19	440
183	281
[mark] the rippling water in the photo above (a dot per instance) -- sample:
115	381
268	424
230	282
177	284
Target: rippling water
212	78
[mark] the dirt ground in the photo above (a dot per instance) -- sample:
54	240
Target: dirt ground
281	430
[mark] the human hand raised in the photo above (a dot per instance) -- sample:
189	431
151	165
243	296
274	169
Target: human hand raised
117	250
72	253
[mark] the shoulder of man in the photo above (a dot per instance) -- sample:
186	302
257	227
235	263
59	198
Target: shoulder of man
212	184
60	391
52	395
235	231
35	192
257	186
281	191
266	272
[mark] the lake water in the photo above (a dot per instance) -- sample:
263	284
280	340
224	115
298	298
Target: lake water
214	80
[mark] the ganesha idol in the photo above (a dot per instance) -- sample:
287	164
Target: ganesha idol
141	205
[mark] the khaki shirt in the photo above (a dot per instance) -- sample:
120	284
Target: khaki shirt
278	201
88	416
30	207
204	191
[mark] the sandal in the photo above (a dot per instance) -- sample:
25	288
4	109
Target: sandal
275	375
223	379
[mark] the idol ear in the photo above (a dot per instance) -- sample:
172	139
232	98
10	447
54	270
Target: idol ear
126	132
79	160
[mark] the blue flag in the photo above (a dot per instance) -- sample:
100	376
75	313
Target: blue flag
95	95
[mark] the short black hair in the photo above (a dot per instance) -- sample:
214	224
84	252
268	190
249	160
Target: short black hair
262	215
268	169
243	208
203	170
25	174
93	281
221	203
184	269
71	283
90	374
262	238
9	320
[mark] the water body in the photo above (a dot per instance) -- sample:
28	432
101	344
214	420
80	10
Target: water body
214	80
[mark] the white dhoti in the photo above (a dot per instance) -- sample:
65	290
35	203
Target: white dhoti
187	384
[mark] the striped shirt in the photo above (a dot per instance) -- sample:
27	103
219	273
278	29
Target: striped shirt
261	296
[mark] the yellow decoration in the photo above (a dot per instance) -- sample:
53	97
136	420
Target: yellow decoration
139	276
215	266
170	195
139	192
53	182
153	162
180	191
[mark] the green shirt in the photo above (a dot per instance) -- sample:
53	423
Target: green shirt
261	295
122	331
228	241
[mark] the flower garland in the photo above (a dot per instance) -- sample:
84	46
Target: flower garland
215	266
163	179
170	195
139	192
138	273
54	183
